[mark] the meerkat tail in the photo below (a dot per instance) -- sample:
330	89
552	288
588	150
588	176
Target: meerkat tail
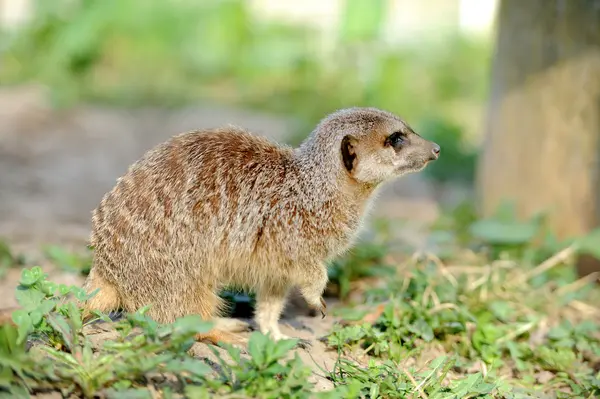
105	300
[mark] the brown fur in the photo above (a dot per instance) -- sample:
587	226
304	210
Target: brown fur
215	208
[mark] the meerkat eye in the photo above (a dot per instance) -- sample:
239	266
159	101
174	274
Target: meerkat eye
395	139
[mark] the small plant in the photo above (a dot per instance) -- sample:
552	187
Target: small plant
143	346
264	374
38	298
17	366
128	361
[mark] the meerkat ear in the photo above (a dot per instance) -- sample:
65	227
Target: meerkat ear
349	152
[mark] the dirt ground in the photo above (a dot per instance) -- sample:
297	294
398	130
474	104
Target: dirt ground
56	165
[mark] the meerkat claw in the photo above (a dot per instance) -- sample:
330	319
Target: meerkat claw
324	307
304	344
324	339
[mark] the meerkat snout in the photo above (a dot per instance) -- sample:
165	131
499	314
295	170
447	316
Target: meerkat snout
435	151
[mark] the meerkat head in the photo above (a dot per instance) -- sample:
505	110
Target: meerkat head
368	144
376	146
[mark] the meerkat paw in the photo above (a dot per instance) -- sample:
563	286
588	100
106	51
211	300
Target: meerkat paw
232	325
276	335
319	305
302	343
312	290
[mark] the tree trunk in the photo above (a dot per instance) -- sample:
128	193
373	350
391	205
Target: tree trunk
542	145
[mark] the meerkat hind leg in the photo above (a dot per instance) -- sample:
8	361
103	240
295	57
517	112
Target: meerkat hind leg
205	302
216	337
312	289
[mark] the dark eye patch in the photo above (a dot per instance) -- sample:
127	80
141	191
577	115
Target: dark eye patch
395	139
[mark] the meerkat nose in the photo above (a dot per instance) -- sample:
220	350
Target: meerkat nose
436	151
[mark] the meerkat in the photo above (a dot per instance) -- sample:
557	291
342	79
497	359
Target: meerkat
222	207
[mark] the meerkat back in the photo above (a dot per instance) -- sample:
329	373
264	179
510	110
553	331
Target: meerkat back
179	219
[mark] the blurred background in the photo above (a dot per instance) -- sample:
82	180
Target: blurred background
510	90
88	86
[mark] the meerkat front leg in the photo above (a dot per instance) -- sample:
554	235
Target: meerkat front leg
269	305
312	285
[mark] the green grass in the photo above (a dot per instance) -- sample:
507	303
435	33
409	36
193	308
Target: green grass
491	318
487	322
